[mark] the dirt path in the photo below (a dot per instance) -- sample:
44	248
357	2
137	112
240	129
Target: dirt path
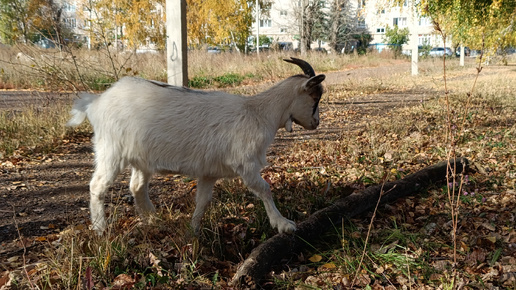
44	196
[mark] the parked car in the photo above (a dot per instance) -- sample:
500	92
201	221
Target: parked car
467	51
440	51
423	51
214	49
321	50
262	49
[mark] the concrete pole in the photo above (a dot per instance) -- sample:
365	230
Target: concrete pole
414	39
177	57
461	55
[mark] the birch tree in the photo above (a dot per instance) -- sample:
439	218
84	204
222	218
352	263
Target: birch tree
220	22
477	23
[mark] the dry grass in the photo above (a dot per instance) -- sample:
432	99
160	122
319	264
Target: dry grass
26	67
368	144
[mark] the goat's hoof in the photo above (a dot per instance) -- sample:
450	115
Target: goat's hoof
98	228
287	227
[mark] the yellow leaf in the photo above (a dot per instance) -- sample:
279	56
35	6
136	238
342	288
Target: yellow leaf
106	262
329	266
41	239
492	239
315	258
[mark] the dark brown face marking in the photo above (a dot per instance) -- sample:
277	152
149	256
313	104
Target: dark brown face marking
315	106
316	94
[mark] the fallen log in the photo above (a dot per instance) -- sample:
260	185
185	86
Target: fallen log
263	257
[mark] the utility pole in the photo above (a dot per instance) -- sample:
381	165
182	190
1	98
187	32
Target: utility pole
177	57
461	61
414	39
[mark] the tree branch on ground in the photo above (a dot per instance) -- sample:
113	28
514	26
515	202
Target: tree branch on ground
262	258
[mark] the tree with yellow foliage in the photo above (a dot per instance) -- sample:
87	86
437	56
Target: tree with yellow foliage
220	22
476	23
31	20
131	22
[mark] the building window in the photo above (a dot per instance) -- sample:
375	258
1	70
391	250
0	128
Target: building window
425	21
425	39
283	13
70	22
69	7
399	21
265	23
283	30
380	30
361	23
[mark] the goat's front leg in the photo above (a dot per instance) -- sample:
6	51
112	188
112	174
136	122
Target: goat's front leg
202	199
261	188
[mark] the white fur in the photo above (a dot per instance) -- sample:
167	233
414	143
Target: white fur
208	135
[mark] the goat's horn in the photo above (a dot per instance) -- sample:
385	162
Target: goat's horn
306	67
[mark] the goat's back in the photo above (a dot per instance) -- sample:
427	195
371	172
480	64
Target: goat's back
157	127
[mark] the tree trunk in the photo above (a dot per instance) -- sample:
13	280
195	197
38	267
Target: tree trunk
259	262
335	24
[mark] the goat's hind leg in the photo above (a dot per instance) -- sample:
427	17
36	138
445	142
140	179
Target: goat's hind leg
139	187
202	200
103	177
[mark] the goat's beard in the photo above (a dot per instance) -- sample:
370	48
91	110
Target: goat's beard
288	125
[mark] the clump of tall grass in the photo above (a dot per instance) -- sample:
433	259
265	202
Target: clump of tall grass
34	129
73	69
76	69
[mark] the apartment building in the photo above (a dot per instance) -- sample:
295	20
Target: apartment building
380	14
281	22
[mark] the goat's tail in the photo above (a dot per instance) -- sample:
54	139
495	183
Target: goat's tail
79	109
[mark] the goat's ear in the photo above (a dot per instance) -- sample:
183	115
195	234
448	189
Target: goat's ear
314	81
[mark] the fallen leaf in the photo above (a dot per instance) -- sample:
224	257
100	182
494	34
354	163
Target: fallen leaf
315	258
489	226
506	278
123	281
329	266
4	279
477	256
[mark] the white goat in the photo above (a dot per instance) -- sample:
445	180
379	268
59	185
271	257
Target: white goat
154	127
